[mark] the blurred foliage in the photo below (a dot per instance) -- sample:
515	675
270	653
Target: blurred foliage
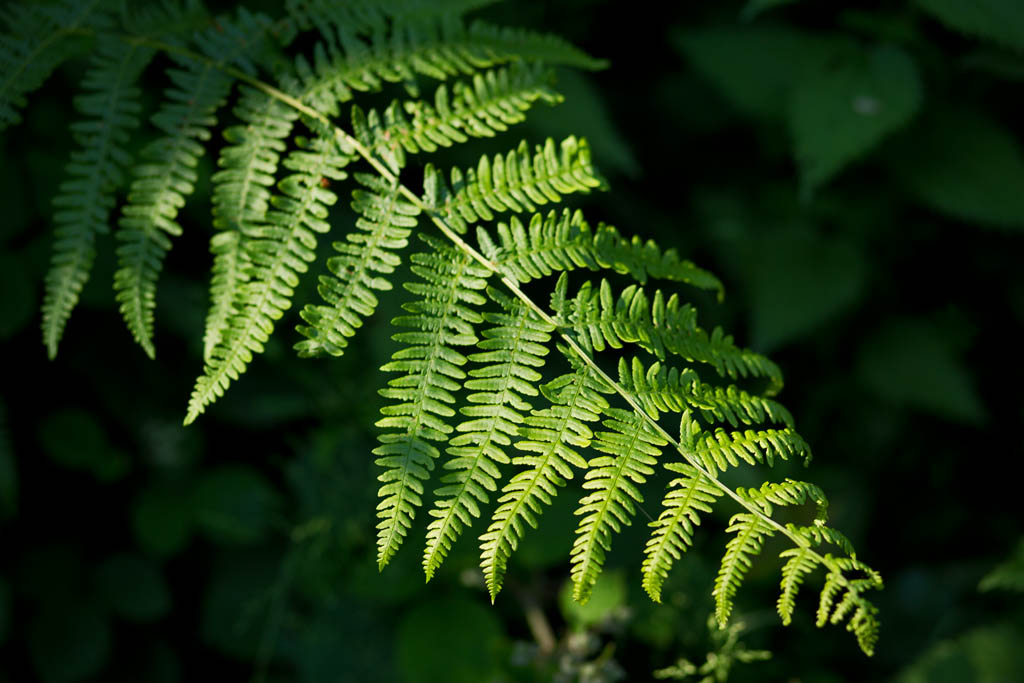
854	173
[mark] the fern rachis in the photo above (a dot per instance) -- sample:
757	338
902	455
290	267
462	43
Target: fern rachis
268	238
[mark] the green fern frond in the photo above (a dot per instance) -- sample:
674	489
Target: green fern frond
513	350
688	496
436	47
723	449
516	182
750	531
660	388
365	260
555	243
819	534
553	436
443	318
860	614
788	492
38	38
490	104
278	250
161	185
658	326
112	110
800	561
241	197
632	447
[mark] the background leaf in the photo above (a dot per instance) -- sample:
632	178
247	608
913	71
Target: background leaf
1001	21
963	164
133	588
843	111
756	67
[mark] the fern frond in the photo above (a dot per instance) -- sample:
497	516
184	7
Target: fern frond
800	561
112	110
241	197
660	388
723	449
861	616
553	435
788	492
443	318
161	185
489	104
750	531
513	350
278	250
365	260
632	447
516	182
436	47
819	534
688	496
38	38
658	326
554	243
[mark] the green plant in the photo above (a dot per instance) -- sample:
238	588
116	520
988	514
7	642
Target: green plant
474	340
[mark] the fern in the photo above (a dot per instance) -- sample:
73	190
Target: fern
110	102
688	496
279	250
553	434
38	38
632	447
241	197
750	532
160	187
442	319
513	349
469	368
517	181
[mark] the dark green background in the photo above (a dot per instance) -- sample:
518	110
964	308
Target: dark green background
852	171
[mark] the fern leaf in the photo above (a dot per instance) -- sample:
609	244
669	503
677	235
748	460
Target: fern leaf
800	561
750	532
161	185
632	447
660	388
278	250
39	38
365	260
722	449
110	105
658	326
517	182
688	496
560	242
553	435
241	194
819	534
513	350
489	104
862	615
443	318
439	47
788	492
